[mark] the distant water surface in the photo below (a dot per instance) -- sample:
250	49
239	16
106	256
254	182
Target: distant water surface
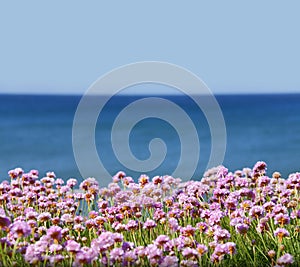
36	133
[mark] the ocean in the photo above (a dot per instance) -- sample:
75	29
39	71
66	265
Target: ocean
36	133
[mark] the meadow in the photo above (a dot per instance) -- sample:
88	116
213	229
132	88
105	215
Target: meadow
226	219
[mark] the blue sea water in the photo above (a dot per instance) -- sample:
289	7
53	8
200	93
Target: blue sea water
36	133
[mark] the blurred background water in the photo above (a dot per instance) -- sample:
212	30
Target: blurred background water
36	133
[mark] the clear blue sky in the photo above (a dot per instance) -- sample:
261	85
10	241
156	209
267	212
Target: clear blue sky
234	46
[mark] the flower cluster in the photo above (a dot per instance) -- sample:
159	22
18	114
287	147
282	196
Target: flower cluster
226	219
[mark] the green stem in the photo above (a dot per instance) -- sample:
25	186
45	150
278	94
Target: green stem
15	247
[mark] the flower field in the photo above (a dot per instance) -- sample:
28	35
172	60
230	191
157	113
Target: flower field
226	219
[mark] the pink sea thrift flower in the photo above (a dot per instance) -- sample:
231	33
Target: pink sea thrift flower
190	253
285	260
17	172
187	231
20	229
54	232
71	183
44	217
256	212
154	252
157	179
263	181
84	257
216	258
67	218
173	224
144	179
51	175
4	221
72	246
105	241
259	168
222	172
31	255
59	182
34	172
55	248
230	248
242	228
56	259
282	219
215	217
161	240
127	180
129	258
221	234
280	233
132	225
169	261
149	224
189	263
116	255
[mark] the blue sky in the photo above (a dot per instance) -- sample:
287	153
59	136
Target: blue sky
233	46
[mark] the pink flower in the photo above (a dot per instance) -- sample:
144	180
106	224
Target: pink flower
242	228
17	172
202	249
263	181
72	246
161	240
190	253
144	179
44	217
282	219
20	229
216	258
256	212
230	248
187	231
116	254
71	182
4	221
132	225
221	234
54	248
31	255
286	259
280	233
189	263
157	179
54	232
169	261
222	172
84	257
149	224
51	175
56	259
154	252
259	168
59	182
128	257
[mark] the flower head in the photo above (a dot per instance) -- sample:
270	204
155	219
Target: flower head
242	228
4	221
54	232
20	229
169	261
286	259
149	224
281	232
72	246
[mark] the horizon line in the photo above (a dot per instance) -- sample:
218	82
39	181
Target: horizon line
145	94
